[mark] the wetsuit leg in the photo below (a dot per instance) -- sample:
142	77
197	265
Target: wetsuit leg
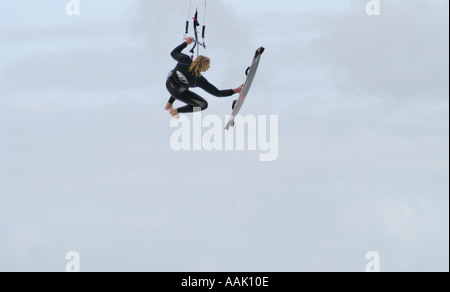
192	100
171	100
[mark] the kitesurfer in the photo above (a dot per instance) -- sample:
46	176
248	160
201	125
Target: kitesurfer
187	74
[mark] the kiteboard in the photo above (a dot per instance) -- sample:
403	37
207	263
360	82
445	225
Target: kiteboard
251	72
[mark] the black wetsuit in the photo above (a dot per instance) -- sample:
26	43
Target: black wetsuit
180	80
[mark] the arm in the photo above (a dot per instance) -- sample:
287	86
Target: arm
211	89
177	52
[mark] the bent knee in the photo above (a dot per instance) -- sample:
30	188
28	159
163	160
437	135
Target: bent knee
202	105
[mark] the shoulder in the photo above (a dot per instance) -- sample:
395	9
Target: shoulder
202	80
185	60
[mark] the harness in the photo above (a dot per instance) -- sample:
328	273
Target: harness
177	81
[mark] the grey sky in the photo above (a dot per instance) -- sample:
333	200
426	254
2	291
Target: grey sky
86	162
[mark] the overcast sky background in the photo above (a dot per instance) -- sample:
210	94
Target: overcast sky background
86	163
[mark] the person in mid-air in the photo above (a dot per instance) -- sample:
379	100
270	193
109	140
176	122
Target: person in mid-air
188	74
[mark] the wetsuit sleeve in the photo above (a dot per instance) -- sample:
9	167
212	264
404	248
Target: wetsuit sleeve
211	89
178	55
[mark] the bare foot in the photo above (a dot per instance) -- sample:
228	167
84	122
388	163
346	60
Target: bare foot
168	107
174	113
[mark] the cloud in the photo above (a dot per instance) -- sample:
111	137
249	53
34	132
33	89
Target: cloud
403	53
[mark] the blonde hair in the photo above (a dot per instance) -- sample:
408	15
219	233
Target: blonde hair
200	64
